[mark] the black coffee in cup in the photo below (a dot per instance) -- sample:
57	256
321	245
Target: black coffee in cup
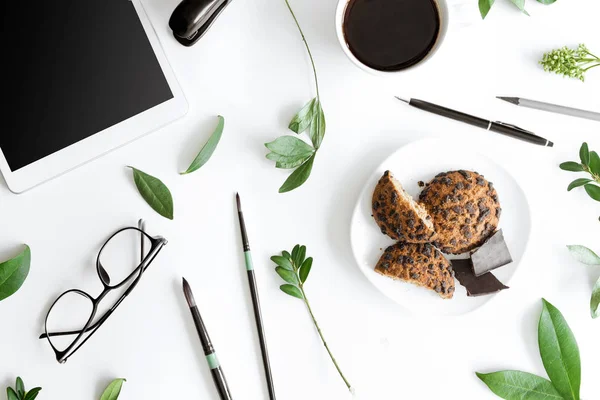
390	35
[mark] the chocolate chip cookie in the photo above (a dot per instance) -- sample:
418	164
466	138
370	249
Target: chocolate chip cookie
398	215
420	264
464	208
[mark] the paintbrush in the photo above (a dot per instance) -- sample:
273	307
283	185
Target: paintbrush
209	351
255	302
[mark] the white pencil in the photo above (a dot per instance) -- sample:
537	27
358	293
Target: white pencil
538	105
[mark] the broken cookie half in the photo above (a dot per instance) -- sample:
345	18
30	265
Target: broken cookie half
418	263
398	215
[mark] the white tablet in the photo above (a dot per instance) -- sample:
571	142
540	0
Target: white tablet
82	79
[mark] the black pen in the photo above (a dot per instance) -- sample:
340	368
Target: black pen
255	301
494	126
209	351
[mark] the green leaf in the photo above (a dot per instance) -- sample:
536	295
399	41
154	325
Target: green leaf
283	262
298	177
546	1
594	163
295	251
584	154
286	255
287	275
517	385
156	194
595	300
303	119
318	126
289	152
113	390
292	291
32	394
593	191
10	393
300	256
20	387
584	255
577	183
484	7
305	269
290	147
208	149
559	352
571	166
12	275
520	4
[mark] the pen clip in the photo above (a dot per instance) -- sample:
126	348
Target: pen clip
514	126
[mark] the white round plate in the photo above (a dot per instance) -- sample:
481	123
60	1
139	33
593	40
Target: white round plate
421	161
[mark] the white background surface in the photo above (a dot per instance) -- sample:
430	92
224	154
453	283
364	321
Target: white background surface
252	68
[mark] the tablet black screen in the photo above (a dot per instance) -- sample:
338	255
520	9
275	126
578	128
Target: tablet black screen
72	68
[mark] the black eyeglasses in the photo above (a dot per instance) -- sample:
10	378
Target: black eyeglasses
123	259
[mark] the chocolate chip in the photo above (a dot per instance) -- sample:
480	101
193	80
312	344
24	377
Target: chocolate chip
441	266
385	265
426	250
457	209
498	212
415	275
438	288
421	237
421	183
420	227
410	223
411	236
467	220
446	181
470	207
387	257
460	186
400	260
376	205
453	242
389	249
383	230
466	232
465	174
409	260
484	213
480	181
381	217
430	266
394	197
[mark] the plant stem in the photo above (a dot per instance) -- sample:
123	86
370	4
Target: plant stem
322	338
312	61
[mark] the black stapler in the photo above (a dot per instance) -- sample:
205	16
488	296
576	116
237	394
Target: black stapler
192	18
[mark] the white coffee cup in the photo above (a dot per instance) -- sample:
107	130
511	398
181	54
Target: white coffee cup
339	27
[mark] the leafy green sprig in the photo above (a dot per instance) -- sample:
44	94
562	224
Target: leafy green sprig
19	392
572	63
590	163
294	269
486	5
290	152
560	356
587	256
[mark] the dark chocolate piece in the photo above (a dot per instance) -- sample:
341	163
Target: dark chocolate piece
491	255
476	286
